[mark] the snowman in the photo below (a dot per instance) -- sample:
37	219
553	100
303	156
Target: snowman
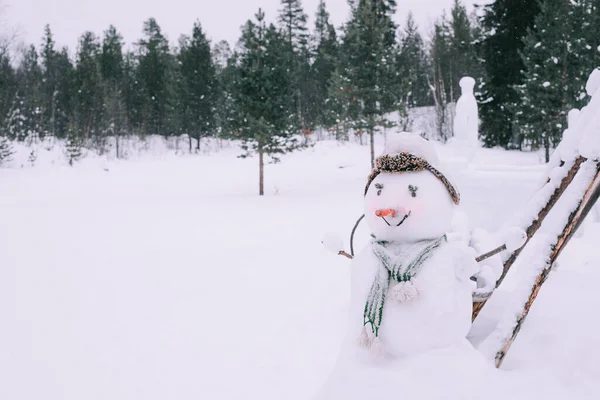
466	120
411	290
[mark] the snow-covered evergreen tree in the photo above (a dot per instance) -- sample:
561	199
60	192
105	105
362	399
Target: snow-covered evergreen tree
89	92
413	65
324	65
197	86
155	79
262	91
6	150
557	58
505	24
368	64
74	144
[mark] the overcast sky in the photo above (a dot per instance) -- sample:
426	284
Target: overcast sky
221	19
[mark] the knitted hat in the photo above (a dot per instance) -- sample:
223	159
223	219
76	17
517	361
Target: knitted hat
407	162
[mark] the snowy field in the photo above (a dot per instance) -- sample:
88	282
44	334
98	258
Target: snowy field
169	278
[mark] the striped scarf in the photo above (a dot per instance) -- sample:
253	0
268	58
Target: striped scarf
397	263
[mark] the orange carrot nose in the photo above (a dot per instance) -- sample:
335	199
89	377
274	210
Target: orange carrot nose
386	212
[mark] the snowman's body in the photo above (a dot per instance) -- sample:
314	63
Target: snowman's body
439	317
402	210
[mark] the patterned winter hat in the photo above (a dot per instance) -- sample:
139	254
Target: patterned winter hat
407	162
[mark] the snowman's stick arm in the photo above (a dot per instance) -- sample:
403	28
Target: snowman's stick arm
492	253
352	237
343	253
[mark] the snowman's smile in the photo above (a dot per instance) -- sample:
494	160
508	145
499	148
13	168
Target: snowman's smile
401	221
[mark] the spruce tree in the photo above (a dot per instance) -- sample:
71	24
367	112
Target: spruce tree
74	144
505	24
6	150
263	88
197	87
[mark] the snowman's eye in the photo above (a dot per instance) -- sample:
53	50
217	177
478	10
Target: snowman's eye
379	188
413	190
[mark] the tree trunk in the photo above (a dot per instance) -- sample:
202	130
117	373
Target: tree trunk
575	219
261	171
190	142
372	134
198	143
117	139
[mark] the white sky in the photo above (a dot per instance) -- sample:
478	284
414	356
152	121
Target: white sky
221	19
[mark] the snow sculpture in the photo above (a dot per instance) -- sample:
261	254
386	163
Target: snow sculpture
466	119
411	290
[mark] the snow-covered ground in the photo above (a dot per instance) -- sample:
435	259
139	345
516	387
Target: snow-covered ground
169	278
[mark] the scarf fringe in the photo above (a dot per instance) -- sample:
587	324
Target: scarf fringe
363	341
377	349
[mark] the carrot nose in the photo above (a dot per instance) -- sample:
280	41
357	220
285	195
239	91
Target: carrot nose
385	212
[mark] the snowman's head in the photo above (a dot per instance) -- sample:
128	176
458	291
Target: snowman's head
407	199
467	84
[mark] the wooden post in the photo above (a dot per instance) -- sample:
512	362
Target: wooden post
575	219
534	226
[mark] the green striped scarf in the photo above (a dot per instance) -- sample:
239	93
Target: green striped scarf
398	263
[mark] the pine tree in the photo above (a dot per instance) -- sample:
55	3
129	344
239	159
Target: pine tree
88	99
133	95
464	60
368	63
324	65
505	24
8	85
63	95
262	91
155	76
292	23
197	88
50	84
29	101
112	68
226	76
413	65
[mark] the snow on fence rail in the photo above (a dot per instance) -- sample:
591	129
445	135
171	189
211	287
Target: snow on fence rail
556	211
